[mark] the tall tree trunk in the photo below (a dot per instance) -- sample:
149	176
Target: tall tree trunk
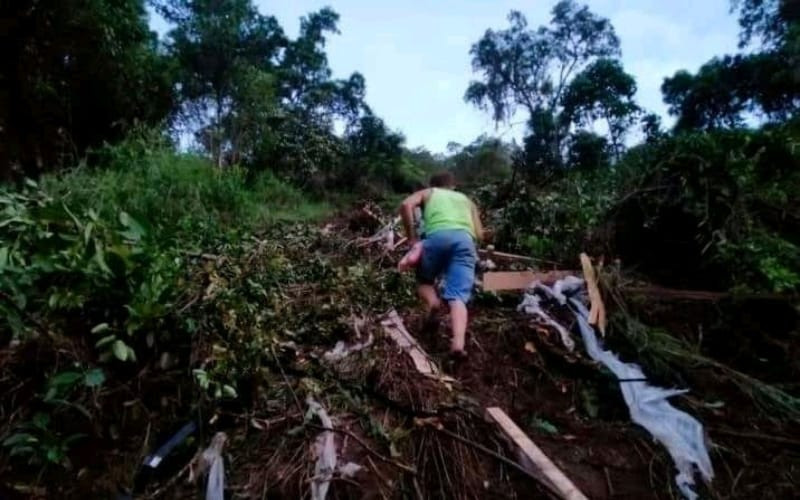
219	130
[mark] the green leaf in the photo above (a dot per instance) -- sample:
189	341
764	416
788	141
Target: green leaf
545	426
105	340
134	231
65	379
20	438
87	232
21	451
102	327
99	257
41	420
94	377
120	350
229	391
54	455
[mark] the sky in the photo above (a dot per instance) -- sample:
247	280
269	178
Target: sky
414	54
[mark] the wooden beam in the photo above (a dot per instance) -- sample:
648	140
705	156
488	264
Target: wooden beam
534	459
396	330
520	280
597	313
490	253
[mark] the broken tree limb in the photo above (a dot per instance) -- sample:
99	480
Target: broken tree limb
597	313
490	253
520	280
541	466
394	328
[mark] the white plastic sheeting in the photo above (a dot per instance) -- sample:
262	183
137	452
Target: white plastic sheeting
212	458
678	431
325	450
531	305
341	350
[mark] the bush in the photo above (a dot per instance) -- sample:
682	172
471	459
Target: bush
110	243
702	209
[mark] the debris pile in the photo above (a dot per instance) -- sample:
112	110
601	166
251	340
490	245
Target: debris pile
680	433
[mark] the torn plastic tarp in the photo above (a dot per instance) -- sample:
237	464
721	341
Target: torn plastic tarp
531	304
342	350
212	457
678	431
325	450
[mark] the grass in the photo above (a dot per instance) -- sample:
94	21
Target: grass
180	196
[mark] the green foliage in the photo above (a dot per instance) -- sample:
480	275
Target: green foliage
603	91
555	222
36	438
483	161
541	71
36	441
700	209
112	243
75	74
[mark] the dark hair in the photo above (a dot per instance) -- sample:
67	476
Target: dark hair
443	180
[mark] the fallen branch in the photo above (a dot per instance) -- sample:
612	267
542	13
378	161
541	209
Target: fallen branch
490	253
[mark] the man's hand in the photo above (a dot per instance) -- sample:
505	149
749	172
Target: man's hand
407	213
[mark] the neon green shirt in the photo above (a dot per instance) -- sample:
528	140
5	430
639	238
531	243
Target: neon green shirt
447	209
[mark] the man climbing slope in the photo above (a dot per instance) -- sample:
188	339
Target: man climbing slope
452	227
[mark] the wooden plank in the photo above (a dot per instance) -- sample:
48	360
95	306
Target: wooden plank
533	458
394	327
597	312
490	253
520	280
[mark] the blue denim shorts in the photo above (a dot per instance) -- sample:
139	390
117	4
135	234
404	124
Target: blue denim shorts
450	254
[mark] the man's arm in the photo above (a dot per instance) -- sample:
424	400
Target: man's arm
407	213
477	225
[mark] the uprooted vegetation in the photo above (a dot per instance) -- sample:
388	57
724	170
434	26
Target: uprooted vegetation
118	334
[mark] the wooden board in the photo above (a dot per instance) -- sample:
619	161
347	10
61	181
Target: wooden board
493	255
597	313
534	458
396	330
520	280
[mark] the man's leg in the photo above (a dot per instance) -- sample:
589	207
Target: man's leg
458	320
430	298
458	288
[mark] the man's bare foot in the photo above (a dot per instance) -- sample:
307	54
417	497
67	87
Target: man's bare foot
459	355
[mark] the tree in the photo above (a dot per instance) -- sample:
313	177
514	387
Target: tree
770	21
75	74
531	69
603	91
481	162
214	42
651	127
726	88
764	83
374	157
588	151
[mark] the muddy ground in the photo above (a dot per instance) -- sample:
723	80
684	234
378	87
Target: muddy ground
416	438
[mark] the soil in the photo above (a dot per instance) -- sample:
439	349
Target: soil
389	418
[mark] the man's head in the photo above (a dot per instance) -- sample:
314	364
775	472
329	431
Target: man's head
443	180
